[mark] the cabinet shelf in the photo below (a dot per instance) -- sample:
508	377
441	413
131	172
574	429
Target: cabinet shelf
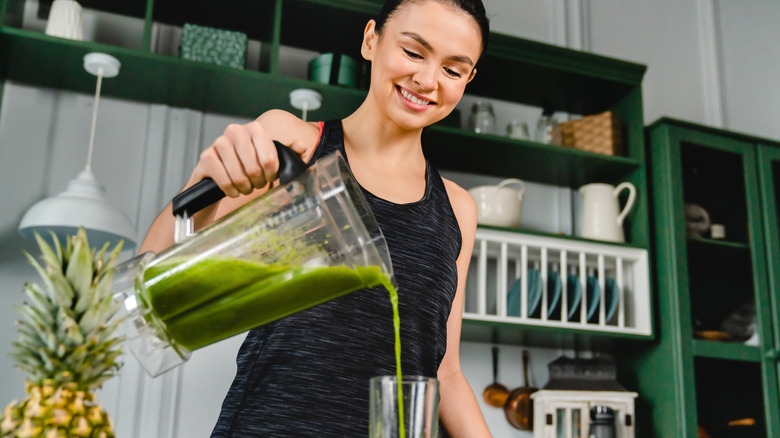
38	59
495	155
548	337
720	245
726	350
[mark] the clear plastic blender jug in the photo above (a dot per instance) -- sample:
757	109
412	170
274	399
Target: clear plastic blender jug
301	244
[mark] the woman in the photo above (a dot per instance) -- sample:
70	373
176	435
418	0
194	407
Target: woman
307	374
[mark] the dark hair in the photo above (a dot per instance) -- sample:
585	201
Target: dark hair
474	8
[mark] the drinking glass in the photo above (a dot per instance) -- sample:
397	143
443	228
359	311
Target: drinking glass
420	404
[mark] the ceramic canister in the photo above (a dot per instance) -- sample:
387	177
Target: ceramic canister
499	205
344	71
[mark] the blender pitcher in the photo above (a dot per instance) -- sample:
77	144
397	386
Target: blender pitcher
308	241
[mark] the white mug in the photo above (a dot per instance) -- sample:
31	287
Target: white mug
601	215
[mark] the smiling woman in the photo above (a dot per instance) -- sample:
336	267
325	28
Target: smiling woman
308	374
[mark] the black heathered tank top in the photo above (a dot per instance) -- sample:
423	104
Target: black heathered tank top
307	375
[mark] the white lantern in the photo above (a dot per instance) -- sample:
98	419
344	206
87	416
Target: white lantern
562	408
566	413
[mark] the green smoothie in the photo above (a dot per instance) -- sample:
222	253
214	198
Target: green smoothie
175	287
215	298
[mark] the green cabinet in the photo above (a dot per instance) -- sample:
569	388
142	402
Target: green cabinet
702	176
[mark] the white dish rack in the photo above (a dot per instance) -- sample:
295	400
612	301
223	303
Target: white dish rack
602	272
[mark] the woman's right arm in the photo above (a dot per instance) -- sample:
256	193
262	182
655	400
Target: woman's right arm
243	162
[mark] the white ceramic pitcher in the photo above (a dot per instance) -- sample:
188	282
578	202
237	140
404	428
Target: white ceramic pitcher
601	215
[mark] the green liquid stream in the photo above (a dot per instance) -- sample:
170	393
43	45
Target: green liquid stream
397	330
215	298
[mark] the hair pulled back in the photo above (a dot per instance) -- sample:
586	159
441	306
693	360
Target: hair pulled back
474	8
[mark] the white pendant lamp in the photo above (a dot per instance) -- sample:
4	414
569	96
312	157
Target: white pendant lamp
82	204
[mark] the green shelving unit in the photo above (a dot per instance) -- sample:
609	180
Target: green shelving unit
685	381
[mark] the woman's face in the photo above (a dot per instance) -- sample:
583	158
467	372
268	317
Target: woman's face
421	62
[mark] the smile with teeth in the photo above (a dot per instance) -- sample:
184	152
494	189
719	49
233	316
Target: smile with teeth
411	98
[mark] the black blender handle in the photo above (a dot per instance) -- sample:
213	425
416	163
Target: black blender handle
207	192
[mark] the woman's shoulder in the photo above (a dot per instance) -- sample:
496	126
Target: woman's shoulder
290	130
463	205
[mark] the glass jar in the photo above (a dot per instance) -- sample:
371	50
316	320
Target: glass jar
482	119
547	129
517	130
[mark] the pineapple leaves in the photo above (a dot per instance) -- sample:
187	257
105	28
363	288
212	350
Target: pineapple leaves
58	288
38	297
79	269
67	330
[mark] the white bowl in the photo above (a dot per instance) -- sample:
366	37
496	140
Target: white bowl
499	205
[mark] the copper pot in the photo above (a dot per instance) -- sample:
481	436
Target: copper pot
519	408
495	394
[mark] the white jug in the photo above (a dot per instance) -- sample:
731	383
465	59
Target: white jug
600	217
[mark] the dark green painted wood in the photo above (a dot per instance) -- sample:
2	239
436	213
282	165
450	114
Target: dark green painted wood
769	176
272	52
768	163
11	12
665	373
680	260
548	337
37	59
148	23
726	350
457	149
764	314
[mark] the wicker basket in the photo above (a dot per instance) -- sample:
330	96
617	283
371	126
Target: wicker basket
602	133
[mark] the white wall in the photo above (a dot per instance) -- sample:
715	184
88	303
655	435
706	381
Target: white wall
713	62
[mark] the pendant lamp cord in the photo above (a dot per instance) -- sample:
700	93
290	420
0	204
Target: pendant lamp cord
94	119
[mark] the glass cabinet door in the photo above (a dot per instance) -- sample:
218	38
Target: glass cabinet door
769	174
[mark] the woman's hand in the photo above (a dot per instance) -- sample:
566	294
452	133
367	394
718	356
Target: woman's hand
241	160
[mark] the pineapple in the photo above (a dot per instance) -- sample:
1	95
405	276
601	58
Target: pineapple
66	343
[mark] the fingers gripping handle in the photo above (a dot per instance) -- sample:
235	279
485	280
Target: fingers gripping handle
207	192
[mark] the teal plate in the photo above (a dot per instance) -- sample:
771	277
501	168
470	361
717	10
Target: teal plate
554	287
593	297
573	296
534	295
612	296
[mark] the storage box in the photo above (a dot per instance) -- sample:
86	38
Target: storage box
215	46
602	133
344	71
